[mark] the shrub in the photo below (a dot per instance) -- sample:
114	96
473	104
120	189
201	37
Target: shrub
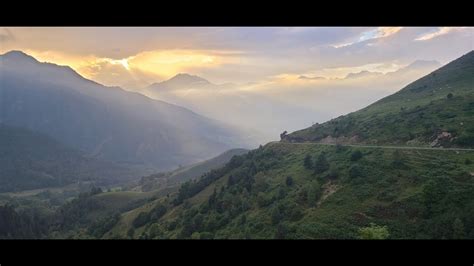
374	232
262	200
155	231
355	171
458	229
141	220
308	162
333	174
398	160
157	212
355	156
314	193
131	232
339	148
321	164
206	235
276	216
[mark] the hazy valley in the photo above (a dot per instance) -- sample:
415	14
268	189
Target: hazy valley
368	154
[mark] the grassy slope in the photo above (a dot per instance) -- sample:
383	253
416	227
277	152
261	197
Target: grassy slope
91	210
413	116
183	174
99	208
385	194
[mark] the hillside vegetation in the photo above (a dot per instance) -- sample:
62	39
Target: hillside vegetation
308	190
274	192
183	174
436	110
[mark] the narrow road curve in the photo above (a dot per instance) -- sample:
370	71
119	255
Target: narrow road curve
377	147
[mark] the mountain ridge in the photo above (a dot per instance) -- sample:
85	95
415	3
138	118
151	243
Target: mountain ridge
178	81
101	120
37	161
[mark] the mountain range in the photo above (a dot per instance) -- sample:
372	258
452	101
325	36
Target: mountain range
107	123
31	160
268	109
400	168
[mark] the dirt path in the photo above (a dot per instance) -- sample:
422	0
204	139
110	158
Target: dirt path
328	189
378	147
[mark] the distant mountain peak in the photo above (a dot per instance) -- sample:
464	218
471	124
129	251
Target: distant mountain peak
363	73
24	62
187	78
18	55
179	81
424	63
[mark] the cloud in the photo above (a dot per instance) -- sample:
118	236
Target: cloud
170	62
380	32
310	78
440	31
236	54
6	35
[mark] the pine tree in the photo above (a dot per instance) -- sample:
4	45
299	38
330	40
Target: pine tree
308	162
321	164
458	229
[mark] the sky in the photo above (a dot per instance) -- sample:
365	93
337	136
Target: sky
135	57
324	71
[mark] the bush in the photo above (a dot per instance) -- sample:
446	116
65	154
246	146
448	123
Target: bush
155	231
458	229
398	160
308	162
206	235
157	212
141	220
355	156
314	193
276	215
172	225
262	200
355	171
321	164
465	140
374	232
131	232
339	148
333	174
281	231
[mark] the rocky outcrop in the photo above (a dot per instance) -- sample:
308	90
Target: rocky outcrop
442	139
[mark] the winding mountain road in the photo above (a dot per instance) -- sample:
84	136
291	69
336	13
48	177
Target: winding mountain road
378	147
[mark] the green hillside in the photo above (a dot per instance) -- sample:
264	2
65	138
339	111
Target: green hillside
182	174
308	190
274	193
436	110
92	214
